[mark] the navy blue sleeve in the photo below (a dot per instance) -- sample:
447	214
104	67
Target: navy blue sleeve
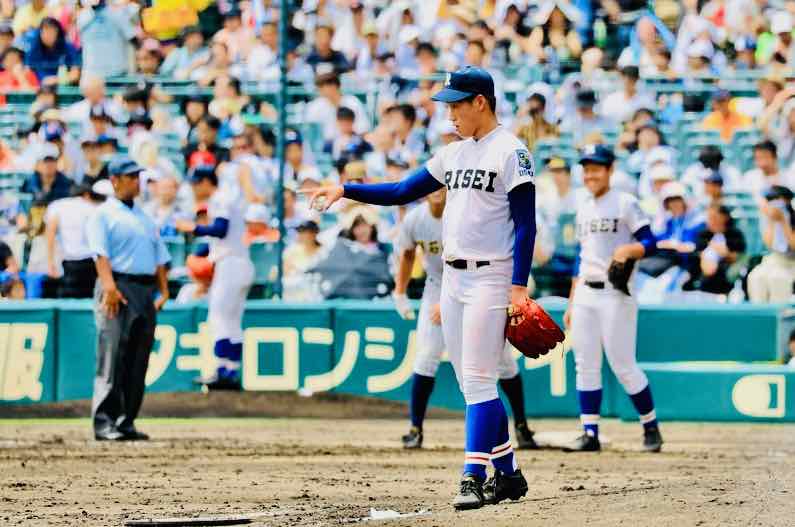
418	184
218	229
647	239
522	200
577	260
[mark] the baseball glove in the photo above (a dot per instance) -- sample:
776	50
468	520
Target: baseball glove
531	330
199	268
618	274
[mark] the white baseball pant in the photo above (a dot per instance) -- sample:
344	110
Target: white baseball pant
605	319
474	310
232	278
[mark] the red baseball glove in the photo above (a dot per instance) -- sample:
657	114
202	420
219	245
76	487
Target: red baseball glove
199	268
531	330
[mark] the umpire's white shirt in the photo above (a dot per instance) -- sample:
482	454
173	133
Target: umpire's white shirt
603	224
477	223
72	214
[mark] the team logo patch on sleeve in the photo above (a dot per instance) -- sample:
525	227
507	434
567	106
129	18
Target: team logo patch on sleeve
525	163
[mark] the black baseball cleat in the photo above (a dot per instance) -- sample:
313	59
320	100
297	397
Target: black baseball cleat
501	487
524	438
216	383
471	494
584	443
652	439
134	435
413	439
108	434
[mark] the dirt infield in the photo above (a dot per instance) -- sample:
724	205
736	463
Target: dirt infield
331	469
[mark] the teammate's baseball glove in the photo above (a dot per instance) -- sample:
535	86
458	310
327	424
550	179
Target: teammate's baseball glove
531	330
618	274
199	268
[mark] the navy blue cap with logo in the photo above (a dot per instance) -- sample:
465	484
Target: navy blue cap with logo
597	154
124	166
465	83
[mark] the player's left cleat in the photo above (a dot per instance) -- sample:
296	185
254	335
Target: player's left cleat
412	440
524	438
584	443
652	440
471	494
501	487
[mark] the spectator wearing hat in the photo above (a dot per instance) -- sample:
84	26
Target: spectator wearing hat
297	168
323	109
191	55
238	38
265	54
537	127
93	168
15	75
323	58
723	118
711	159
258	227
682	223
745	49
718	245
164	208
206	150
783	49
130	259
66	238
712	190
554	37
348	144
699	60
585	121
106	35
621	105
772	280
47	183
50	51
305	252
766	172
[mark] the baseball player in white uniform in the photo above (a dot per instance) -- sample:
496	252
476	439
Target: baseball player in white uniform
610	227
488	232
422	227
233	271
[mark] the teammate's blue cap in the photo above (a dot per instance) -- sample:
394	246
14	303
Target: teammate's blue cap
123	166
464	83
598	154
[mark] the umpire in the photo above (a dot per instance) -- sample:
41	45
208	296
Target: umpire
131	263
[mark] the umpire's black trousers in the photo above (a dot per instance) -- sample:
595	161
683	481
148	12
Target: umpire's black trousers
124	343
79	277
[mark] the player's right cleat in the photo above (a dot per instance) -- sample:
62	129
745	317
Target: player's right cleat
412	440
524	438
584	443
471	494
501	487
652	439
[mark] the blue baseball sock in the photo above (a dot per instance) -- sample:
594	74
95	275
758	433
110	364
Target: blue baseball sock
233	358
645	407
421	389
221	351
502	456
590	403
486	424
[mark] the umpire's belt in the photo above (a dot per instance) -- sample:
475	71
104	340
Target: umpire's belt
140	279
595	285
469	265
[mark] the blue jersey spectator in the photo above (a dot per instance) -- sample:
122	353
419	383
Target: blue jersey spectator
50	51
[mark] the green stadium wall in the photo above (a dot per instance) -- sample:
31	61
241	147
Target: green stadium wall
713	362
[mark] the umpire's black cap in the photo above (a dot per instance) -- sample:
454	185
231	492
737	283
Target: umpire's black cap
464	83
597	154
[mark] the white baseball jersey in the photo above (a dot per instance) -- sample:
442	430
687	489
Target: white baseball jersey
72	215
224	203
477	223
603	224
419	227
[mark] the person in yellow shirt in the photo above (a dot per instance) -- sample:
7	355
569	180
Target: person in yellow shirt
29	16
723	118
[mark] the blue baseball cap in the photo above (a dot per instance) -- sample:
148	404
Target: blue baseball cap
292	136
464	83
199	173
597	154
124	166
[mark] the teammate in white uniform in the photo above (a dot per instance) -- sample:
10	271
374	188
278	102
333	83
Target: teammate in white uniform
488	232
233	273
610	226
422	227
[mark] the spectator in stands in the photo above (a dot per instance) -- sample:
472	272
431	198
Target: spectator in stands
745	48
193	109
296	168
106	34
563	199
15	76
238	38
6	36
65	223
28	16
713	189
711	159
101	123
554	38
92	87
682	224
258	227
766	172
718	245
621	105
220	63
295	213
323	109
784	47
165	209
723	118
265	54
206	150
148	58
409	142
93	167
772	280
305	252
374	47
47	184
348	143
585	121
323	59
182	61
50	54
538	127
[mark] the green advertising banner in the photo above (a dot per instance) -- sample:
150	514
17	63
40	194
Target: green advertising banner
27	352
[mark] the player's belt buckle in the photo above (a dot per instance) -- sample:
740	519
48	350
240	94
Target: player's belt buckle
595	285
469	265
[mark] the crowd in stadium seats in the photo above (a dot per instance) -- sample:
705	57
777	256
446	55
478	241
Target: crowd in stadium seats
694	97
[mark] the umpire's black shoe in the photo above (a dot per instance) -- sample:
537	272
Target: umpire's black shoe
413	439
108	434
652	439
584	443
134	435
501	487
524	438
471	494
